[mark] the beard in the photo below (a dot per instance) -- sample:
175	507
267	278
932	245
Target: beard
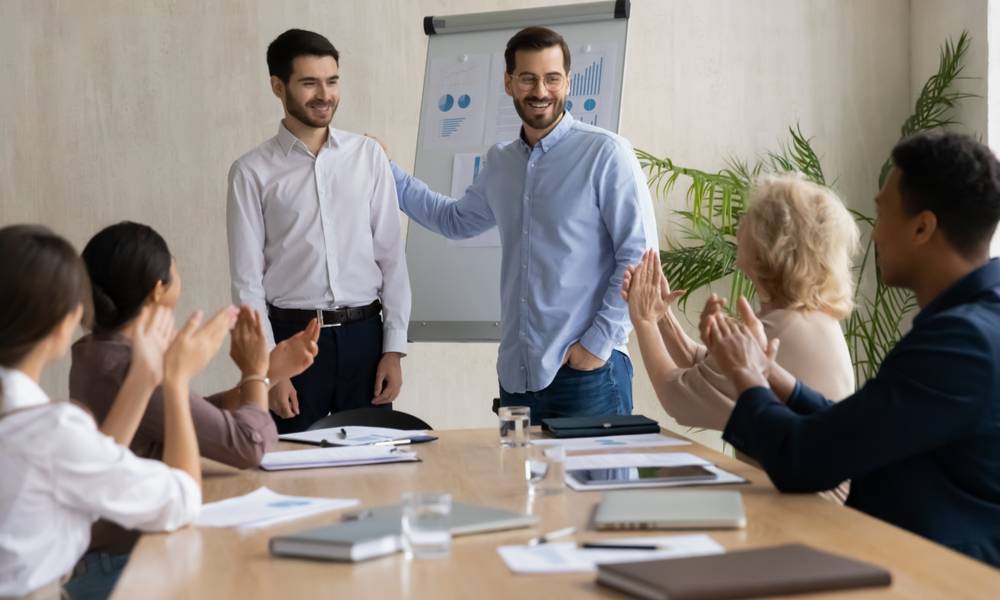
543	121
301	111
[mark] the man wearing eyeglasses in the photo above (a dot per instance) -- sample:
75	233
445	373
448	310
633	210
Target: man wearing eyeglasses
573	210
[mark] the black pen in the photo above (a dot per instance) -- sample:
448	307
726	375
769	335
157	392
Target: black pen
596	546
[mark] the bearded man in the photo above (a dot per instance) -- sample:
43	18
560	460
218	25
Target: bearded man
573	211
314	234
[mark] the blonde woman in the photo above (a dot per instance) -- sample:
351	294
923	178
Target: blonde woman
795	243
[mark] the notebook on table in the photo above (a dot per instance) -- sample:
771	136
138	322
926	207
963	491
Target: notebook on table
376	532
770	571
670	509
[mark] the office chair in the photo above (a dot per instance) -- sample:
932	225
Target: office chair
371	417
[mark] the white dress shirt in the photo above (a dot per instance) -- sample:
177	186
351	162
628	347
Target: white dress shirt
60	474
318	231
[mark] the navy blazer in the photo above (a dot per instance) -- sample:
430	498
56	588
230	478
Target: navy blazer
920	441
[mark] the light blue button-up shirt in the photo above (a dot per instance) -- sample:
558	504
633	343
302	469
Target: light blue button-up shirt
573	211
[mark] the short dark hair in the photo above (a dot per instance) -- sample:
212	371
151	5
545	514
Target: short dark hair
534	38
44	280
956	178
125	261
285	48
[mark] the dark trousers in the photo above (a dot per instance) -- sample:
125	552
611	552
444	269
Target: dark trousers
343	375
603	391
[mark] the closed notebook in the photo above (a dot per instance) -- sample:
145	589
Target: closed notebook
377	533
670	509
771	571
572	427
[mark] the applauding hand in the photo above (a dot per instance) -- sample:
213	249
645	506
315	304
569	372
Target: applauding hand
248	347
194	346
738	352
150	339
295	354
669	297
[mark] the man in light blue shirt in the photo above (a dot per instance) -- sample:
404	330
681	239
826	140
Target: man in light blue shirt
573	210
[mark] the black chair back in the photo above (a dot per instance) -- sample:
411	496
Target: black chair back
371	417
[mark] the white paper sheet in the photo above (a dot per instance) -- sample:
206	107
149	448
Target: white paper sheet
352	435
465	169
569	558
459	86
639	440
263	507
650	459
334	457
590	96
502	121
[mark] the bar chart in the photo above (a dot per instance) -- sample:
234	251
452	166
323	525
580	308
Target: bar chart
588	82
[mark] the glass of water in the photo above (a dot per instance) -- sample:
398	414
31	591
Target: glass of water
515	422
425	524
545	469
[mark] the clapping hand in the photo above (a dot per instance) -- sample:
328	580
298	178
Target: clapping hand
669	297
295	354
738	351
196	344
248	347
150	338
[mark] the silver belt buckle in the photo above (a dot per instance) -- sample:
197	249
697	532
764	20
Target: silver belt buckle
319	319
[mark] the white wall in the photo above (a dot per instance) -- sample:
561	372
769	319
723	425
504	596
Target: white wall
119	110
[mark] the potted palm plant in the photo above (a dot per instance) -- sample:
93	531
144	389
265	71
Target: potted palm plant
716	201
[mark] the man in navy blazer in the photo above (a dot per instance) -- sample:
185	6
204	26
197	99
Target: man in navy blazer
920	441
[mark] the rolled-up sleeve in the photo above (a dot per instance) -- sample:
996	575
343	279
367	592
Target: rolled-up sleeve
238	438
627	213
388	248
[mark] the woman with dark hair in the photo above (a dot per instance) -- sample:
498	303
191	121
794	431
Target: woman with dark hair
131	267
60	473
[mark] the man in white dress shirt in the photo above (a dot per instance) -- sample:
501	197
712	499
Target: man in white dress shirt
314	233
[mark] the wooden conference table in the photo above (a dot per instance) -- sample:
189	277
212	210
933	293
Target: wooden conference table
222	563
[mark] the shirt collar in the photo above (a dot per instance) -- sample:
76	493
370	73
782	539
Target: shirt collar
984	279
287	139
20	391
555	136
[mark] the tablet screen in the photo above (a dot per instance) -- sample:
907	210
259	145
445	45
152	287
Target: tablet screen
642	475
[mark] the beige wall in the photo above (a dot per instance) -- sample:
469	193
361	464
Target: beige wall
115	110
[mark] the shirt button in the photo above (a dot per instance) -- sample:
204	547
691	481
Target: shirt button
524	300
525	231
524	265
522	367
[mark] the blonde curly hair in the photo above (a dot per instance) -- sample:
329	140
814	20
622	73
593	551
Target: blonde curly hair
802	242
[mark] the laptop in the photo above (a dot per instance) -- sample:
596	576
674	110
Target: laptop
670	509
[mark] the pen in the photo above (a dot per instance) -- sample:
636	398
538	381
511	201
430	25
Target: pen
548	537
391	443
597	546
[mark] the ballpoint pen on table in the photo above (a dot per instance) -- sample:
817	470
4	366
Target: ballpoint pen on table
391	443
598	546
552	535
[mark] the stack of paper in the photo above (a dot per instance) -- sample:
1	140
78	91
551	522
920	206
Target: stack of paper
355	435
334	457
263	507
568	557
660	459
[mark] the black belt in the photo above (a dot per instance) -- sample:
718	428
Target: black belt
326	318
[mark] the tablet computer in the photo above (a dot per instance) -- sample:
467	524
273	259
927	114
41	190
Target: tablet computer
679	474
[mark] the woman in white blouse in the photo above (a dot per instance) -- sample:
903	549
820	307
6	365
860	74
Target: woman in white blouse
795	243
60	474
